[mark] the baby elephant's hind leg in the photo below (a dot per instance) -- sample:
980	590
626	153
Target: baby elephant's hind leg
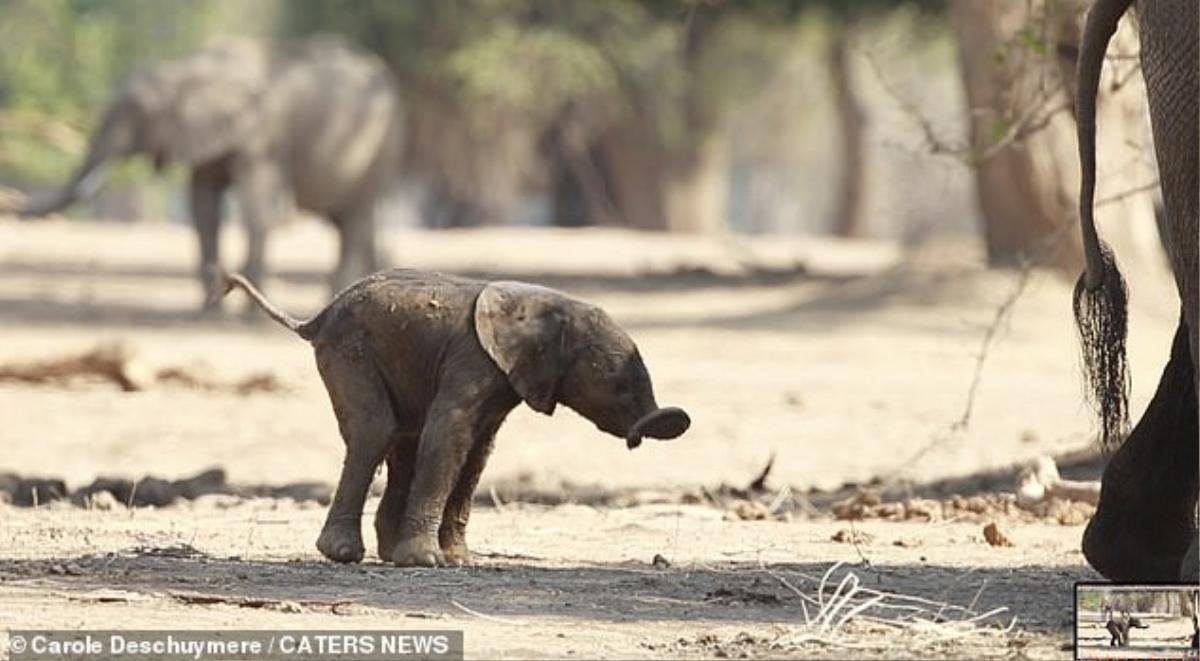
367	424
400	461
452	535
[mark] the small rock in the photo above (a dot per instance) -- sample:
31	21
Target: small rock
858	505
868	496
68	569
995	536
748	510
104	502
889	511
219	501
851	537
922	508
978	505
288	606
660	562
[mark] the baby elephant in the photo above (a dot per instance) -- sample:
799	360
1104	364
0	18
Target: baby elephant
1118	629
422	368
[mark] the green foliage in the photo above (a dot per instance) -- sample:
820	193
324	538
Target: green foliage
531	71
62	58
672	68
532	57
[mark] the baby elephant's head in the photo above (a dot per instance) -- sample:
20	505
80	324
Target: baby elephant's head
555	348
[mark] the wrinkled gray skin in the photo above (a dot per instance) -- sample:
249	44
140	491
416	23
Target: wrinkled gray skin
1144	527
422	368
317	127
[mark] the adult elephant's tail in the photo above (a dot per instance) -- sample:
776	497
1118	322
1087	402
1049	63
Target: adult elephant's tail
1100	294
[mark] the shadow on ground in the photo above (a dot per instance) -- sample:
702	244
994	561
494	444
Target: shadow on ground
835	300
506	587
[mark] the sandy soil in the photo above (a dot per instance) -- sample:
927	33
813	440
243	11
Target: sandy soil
848	361
1165	637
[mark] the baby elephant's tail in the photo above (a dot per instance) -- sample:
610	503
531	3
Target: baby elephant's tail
227	282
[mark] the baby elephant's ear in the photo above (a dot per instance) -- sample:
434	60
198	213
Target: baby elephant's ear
522	327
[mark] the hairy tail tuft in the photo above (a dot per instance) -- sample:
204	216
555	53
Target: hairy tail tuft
1102	320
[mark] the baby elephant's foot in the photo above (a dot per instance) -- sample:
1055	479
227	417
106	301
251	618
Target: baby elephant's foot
418	552
387	536
386	548
341	542
456	554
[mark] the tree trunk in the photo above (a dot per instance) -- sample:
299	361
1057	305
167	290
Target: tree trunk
1018	71
580	185
848	214
1026	188
696	192
475	174
624	172
655	187
635	168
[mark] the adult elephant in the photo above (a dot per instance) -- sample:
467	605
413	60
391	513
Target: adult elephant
318	126
1144	526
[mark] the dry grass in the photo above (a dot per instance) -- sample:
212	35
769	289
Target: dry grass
924	623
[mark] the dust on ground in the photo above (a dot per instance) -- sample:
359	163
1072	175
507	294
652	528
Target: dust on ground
847	361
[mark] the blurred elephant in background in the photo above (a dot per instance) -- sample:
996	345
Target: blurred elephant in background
317	126
1144	526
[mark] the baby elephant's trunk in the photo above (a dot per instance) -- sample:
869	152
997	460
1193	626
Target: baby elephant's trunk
664	423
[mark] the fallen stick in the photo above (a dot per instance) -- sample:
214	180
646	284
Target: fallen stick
113	362
1040	480
117	362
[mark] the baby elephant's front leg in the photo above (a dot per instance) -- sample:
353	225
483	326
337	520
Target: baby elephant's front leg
445	443
453	534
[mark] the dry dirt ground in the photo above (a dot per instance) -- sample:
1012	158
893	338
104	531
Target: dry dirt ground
1166	637
847	361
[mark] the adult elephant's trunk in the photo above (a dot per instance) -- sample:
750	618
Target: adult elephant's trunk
109	141
1100	294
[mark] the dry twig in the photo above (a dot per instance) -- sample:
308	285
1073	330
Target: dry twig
922	620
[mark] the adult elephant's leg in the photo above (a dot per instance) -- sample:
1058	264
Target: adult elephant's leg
1144	520
400	462
367	424
207	185
1189	569
1169	53
356	252
261	192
